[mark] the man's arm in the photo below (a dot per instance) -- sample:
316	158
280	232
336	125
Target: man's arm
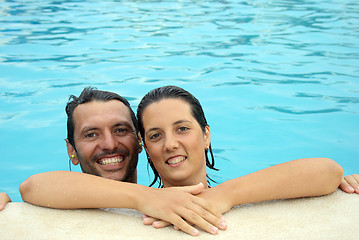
4	198
350	184
73	190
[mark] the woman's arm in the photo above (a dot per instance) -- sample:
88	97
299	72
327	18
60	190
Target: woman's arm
72	190
299	178
4	198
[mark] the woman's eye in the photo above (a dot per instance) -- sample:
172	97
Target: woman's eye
154	136
183	129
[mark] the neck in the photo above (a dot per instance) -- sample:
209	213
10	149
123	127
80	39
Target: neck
187	183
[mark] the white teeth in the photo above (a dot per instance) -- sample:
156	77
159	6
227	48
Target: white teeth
176	160
111	161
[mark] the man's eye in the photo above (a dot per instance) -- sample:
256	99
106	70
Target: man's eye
90	135
121	130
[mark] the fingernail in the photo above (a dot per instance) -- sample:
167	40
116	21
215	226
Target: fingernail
195	232
214	230
350	188
223	225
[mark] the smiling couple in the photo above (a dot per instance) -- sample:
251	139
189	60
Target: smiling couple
105	138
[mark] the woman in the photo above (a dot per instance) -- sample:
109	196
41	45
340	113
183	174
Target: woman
177	140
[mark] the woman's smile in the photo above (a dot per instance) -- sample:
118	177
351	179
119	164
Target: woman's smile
176	161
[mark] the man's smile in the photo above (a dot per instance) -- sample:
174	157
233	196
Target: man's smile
111	161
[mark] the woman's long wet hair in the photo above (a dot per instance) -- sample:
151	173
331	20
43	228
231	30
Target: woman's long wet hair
173	92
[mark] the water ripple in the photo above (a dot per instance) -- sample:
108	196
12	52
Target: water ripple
331	98
289	110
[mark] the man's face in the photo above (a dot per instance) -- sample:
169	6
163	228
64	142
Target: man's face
105	140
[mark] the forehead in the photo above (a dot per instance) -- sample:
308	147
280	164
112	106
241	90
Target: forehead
100	113
167	110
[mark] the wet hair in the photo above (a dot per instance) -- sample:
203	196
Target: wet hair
174	92
87	95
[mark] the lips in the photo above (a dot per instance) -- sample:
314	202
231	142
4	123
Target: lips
174	161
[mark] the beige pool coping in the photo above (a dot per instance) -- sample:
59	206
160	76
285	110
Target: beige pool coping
335	216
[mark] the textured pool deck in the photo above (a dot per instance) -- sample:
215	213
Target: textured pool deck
335	216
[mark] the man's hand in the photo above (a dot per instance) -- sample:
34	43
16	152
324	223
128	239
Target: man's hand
4	198
180	207
350	184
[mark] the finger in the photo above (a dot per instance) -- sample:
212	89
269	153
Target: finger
181	224
353	181
345	186
194	189
192	217
4	198
176	228
160	224
356	177
147	220
209	213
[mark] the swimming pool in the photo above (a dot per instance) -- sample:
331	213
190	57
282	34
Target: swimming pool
278	79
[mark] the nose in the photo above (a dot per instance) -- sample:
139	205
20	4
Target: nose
108	141
171	142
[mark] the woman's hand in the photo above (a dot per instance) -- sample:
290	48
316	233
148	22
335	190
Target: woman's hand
4	198
210	197
350	184
180	207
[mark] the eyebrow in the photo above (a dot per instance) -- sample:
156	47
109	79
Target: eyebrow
118	124
87	129
123	123
181	121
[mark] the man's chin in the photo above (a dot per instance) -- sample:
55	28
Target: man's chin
117	176
115	172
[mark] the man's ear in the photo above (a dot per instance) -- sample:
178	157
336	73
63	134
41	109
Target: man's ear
140	143
72	153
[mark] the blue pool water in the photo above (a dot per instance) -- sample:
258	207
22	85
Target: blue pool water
278	79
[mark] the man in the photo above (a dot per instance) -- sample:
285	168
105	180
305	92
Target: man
105	141
103	138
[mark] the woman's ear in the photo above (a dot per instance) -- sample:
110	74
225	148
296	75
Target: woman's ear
71	153
207	136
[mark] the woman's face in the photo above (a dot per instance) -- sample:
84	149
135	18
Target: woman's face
175	142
